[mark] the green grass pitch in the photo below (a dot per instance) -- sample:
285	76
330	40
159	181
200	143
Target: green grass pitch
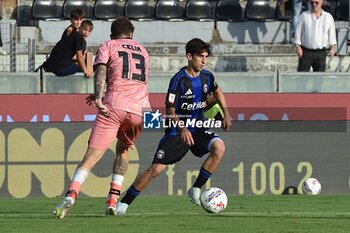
284	213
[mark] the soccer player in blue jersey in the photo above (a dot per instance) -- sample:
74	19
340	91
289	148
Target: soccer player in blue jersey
185	103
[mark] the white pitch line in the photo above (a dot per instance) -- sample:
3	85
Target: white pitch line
233	214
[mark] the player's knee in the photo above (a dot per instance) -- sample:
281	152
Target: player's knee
218	149
156	169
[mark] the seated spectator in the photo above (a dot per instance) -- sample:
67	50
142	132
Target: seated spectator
69	54
76	17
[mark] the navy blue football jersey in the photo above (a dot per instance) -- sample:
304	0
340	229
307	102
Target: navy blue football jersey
188	96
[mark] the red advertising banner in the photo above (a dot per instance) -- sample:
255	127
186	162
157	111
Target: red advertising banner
243	107
45	108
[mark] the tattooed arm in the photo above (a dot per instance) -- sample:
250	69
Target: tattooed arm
100	87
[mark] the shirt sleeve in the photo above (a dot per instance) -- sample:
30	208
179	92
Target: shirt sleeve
173	93
332	34
213	84
102	55
78	40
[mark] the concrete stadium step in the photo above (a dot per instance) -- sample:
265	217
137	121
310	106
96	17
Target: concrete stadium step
236	46
216	63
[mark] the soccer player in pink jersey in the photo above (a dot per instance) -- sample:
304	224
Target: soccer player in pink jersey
121	95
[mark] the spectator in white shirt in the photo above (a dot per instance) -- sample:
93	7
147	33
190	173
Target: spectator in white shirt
314	35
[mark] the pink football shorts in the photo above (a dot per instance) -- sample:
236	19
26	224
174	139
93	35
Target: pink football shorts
120	124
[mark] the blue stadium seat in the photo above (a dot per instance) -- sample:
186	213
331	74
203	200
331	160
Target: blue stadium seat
107	9
169	10
284	10
228	10
342	10
259	10
45	9
198	10
70	5
138	10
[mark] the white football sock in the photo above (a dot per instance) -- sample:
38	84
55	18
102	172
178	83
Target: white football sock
118	179
80	175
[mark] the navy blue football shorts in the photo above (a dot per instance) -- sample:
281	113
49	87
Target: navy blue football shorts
172	149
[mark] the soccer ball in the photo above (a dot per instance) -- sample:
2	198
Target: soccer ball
214	200
311	186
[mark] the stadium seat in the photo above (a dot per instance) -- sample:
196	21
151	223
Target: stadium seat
284	10
228	10
138	10
45	9
328	7
107	9
342	10
259	10
169	10
70	5
198	10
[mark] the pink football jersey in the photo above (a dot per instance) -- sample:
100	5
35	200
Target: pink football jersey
127	74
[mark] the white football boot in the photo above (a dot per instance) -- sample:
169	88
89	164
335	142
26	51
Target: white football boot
121	208
194	194
61	209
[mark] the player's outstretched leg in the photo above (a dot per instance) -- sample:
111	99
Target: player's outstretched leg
194	193
67	202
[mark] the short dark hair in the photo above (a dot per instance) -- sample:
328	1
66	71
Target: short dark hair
87	24
197	46
120	26
77	14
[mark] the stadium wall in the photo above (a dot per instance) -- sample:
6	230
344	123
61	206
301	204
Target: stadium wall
275	143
